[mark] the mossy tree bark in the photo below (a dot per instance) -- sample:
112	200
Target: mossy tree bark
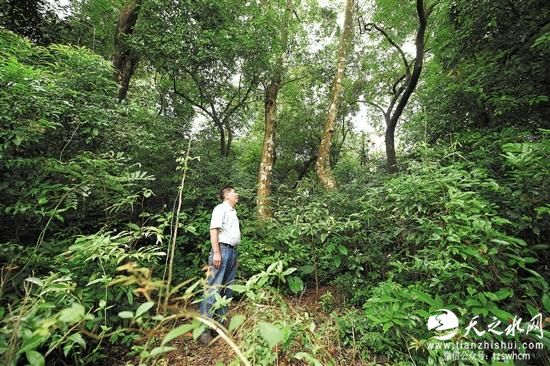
263	204
125	59
322	166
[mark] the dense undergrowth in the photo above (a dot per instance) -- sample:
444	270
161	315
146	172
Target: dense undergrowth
87	220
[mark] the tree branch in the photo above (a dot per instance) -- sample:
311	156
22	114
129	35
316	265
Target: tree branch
191	101
240	103
377	106
369	26
418	63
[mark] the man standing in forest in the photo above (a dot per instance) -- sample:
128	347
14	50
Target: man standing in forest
225	235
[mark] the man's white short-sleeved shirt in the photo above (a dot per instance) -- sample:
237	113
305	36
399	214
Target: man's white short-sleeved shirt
224	218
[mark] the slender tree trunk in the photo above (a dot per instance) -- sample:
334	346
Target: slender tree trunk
410	85
322	166
125	59
391	158
222	138
229	140
263	204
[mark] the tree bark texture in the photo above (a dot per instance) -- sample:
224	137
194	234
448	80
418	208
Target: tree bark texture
125	59
322	166
265	173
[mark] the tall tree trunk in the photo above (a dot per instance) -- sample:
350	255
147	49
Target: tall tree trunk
410	85
322	166
391	159
222	138
229	140
125	59
263	204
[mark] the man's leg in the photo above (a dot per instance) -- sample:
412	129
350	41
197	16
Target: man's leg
214	283
228	279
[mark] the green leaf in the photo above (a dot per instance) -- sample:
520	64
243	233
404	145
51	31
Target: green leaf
343	250
77	338
238	288
35	358
126	314
532	310
337	261
270	333
307	269
143	308
72	314
472	302
198	330
37	281
295	283
133	226
304	356
289	271
503	293
546	302
236	321
162	349
31	343
424	297
176	332
501	314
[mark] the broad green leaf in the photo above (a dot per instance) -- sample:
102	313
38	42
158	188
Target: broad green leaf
35	358
236	321
270	333
288	271
77	338
532	310
503	293
37	281
238	288
31	343
424	297
143	308
304	356
178	331
72	314
501	314
126	314
163	349
198	330
133	226
295	283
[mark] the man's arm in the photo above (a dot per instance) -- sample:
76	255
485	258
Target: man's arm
214	233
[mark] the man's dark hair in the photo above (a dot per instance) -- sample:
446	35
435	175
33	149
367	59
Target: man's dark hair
225	190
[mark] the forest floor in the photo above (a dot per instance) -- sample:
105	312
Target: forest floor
192	353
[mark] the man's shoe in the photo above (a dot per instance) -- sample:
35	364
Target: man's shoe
205	338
